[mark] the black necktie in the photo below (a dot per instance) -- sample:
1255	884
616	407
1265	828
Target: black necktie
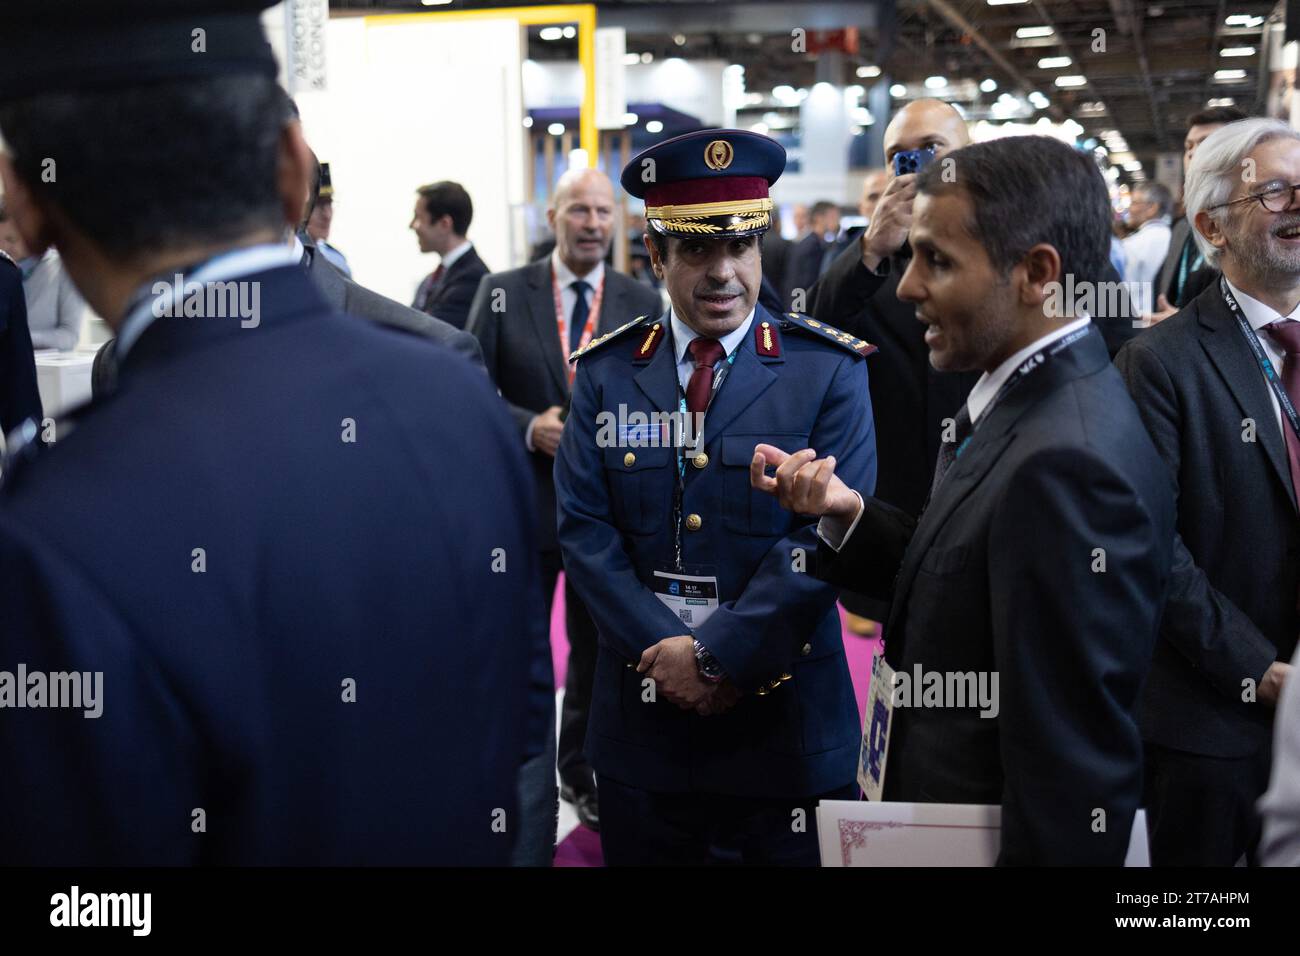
948	449
578	321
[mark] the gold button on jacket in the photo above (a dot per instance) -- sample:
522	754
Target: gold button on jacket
693	522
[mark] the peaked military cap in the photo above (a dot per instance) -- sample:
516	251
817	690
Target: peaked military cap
711	183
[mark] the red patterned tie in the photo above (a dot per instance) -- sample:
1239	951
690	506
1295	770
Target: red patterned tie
706	353
1286	336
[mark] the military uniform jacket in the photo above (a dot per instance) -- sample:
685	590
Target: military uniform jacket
805	387
209	541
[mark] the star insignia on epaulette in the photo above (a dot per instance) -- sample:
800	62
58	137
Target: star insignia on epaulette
829	332
601	340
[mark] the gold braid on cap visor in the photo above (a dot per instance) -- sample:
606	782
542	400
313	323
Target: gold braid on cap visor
734	217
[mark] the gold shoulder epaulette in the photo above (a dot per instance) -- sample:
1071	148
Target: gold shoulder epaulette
607	337
841	338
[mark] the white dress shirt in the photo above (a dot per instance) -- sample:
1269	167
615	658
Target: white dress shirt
565	277
683	335
1144	254
1259	315
832	530
450	258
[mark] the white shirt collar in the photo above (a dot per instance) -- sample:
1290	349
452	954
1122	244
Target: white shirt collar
1156	221
1257	313
298	250
987	387
450	258
683	334
226	265
564	275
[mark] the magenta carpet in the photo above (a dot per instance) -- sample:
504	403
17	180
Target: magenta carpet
582	846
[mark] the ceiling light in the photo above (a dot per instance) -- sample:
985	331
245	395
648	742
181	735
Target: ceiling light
555	129
988	86
1054	62
935	82
654	126
1025	33
866	72
898	91
1074	80
551	33
1237	51
1229	76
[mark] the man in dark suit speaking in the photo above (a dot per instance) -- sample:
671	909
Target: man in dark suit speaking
1042	557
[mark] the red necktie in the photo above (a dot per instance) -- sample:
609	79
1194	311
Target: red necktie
706	353
1286	336
437	274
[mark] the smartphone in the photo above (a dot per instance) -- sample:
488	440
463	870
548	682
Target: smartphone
912	160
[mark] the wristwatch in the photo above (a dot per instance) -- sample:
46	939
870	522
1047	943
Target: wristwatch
710	669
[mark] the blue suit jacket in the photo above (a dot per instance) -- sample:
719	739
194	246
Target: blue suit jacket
325	561
775	619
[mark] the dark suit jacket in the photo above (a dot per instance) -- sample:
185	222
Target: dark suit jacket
1232	601
451	299
910	399
776	263
1000	575
19	397
1196	282
325	560
521	347
804	266
344	295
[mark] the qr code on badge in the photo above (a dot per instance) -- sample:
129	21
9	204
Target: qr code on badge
686	615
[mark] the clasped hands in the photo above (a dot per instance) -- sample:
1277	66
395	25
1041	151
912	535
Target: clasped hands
671	665
802	484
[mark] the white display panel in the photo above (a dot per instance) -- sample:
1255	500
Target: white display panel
412	101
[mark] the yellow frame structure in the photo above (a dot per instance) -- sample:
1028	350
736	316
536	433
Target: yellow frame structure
583	14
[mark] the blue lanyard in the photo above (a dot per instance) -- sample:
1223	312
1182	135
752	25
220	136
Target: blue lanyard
1283	399
680	490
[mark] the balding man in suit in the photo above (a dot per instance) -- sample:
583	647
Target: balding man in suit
528	320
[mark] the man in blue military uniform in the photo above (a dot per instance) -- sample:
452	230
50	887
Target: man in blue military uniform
722	708
246	604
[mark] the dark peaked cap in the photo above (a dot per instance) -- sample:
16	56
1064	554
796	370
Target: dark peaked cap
52	46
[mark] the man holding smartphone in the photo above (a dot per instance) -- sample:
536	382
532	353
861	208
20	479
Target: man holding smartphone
912	401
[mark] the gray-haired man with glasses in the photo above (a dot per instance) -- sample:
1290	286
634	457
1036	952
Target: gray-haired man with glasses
1218	386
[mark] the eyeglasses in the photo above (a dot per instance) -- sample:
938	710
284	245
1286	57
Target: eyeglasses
1275	197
